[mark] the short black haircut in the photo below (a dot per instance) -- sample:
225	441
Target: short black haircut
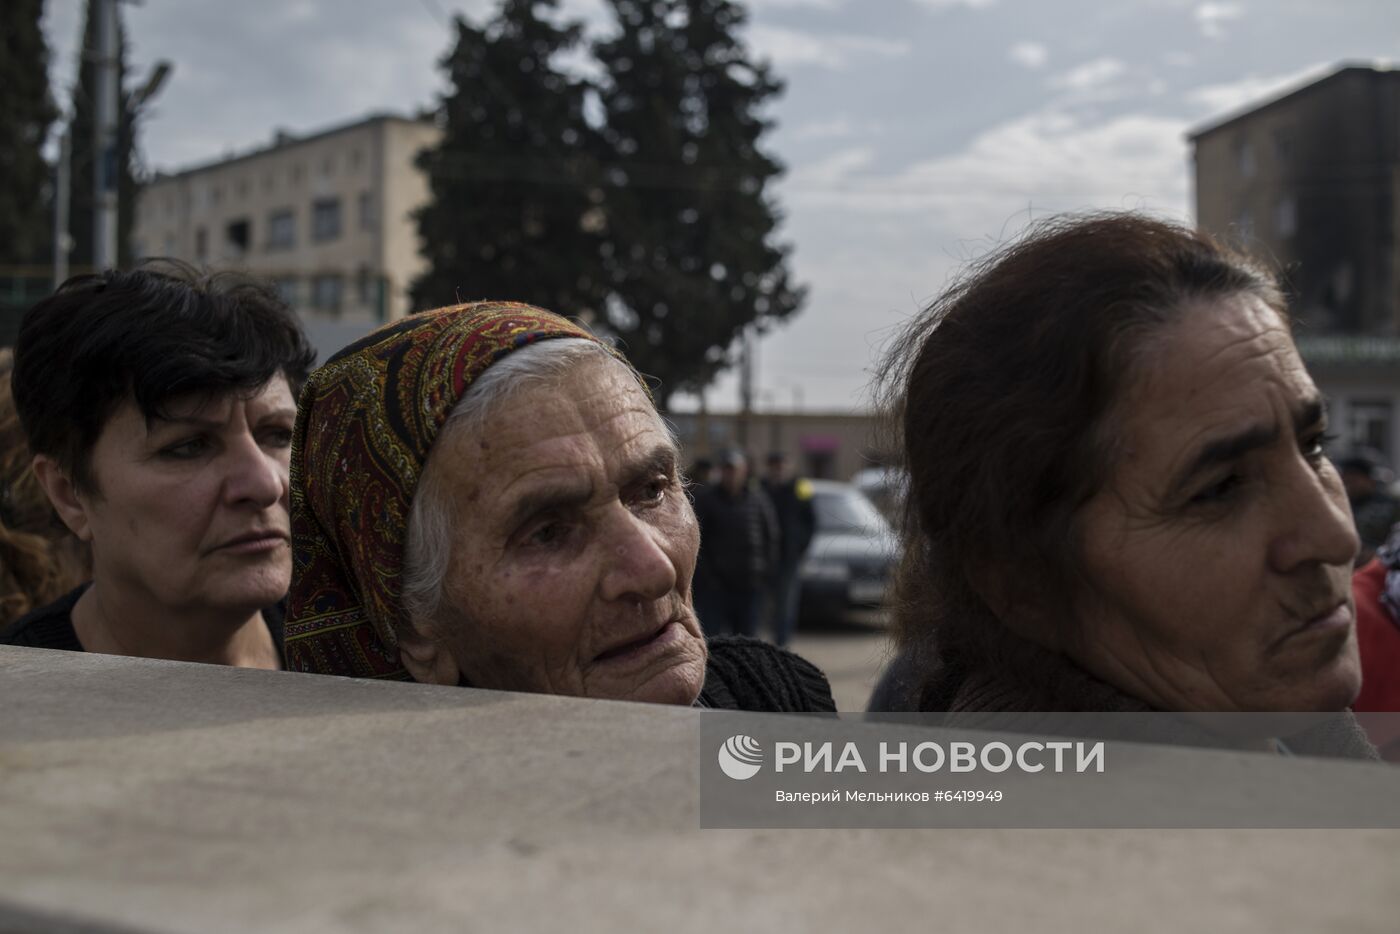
155	334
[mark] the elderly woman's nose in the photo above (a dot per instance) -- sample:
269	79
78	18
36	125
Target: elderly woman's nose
1316	525
254	476
637	565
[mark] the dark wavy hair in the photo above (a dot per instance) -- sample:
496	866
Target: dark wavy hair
1001	396
155	334
40	560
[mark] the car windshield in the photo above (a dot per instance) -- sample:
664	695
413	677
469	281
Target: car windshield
846	511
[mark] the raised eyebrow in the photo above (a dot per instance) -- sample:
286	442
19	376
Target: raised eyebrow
1311	413
547	499
660	459
1223	450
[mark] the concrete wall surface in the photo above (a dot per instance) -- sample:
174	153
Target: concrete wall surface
158	796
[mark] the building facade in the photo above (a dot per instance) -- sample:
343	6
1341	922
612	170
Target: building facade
819	445
1309	182
328	217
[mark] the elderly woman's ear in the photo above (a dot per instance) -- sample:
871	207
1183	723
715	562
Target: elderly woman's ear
425	658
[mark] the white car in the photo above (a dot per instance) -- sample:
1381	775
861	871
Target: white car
851	560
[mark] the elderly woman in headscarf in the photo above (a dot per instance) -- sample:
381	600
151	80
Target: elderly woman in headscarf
485	495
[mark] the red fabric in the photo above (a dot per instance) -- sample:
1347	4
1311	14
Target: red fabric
1378	638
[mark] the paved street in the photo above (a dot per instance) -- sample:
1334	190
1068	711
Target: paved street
852	654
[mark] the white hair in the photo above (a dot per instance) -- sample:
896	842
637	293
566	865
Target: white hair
433	516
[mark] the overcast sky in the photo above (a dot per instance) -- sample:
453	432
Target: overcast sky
917	133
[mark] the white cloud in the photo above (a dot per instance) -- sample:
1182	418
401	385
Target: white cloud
834	128
945	4
1090	75
1218	99
790	4
1047	161
790	48
1179	59
1211	17
1028	54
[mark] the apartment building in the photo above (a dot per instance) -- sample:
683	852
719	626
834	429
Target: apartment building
1309	182
327	216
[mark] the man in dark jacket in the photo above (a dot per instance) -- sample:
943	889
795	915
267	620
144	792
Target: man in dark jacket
1373	509
797	522
738	550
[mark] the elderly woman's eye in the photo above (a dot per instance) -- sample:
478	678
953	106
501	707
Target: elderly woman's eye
551	533
278	437
1219	491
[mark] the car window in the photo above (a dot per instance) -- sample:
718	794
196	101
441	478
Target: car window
846	511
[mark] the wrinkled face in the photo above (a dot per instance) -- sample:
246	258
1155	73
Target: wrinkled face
190	512
571	563
1220	551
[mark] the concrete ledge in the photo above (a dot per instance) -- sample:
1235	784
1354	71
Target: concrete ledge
158	796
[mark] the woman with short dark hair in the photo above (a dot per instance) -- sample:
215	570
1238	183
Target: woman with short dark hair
159	405
1119	498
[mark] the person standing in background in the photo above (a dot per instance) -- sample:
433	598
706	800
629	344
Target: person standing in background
797	522
738	550
1372	508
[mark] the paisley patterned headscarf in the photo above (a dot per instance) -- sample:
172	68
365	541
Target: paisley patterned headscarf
365	423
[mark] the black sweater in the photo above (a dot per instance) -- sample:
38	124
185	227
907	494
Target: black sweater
748	674
51	626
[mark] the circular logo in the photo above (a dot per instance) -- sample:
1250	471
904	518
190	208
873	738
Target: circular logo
740	757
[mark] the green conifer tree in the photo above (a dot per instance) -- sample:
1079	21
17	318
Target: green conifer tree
691	255
26	112
510	214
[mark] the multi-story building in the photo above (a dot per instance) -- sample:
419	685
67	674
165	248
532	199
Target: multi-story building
326	216
1309	182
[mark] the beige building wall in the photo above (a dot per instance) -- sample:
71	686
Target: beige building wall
820	445
328	217
404	193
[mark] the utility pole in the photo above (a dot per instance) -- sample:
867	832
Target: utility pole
105	162
63	180
746	368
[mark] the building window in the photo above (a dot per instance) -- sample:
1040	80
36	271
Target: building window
1285	216
1245	155
325	219
364	281
366	211
288	289
356	158
1283	145
1244	224
1370	425
328	166
201	244
238	233
327	292
281	230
